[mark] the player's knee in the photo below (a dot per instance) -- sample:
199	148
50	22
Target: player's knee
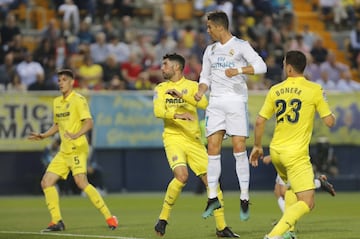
183	178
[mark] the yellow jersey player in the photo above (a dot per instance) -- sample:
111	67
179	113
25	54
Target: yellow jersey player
175	104
72	120
294	103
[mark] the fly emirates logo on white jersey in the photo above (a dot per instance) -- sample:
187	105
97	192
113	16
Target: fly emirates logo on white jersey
222	63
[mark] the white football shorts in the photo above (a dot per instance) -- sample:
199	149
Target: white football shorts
229	114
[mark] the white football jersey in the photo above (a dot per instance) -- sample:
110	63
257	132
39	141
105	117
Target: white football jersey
233	54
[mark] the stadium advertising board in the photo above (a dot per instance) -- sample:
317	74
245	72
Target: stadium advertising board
126	120
19	115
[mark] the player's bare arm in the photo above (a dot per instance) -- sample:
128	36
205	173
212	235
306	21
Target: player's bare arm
257	151
87	125
39	136
267	159
184	116
230	72
329	120
201	91
174	93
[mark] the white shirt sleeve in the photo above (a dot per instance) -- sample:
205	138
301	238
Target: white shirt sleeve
253	59
206	68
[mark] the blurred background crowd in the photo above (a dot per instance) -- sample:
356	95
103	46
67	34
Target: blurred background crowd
119	44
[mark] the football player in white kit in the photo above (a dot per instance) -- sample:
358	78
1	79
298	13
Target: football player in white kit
225	65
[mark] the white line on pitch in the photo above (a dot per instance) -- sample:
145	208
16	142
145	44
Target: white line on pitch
65	235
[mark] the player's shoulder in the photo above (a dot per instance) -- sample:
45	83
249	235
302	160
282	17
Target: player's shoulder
240	41
79	96
161	85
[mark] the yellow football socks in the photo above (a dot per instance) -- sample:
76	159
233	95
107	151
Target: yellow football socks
219	213
52	202
289	218
97	200
172	193
290	199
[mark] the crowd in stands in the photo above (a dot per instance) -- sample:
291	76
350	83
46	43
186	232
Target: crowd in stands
100	42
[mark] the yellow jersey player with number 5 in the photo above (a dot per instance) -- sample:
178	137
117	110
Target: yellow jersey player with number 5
72	120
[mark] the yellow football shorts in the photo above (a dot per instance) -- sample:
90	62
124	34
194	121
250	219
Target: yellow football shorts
294	168
76	161
181	150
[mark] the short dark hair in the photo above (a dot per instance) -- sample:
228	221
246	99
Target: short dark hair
66	72
219	18
176	57
297	60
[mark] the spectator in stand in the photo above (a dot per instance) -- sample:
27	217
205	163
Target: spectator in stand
85	36
333	68
326	11
125	7
168	29
227	7
144	49
109	29
7	71
143	82
355	43
262	47
89	7
9	30
106	7
244	29
131	70
16	85
111	68
265	28
200	45
51	31
70	13
91	74
312	70
192	68
117	84
164	46
263	7
42	84
182	49
299	45
188	35
70	38
309	36
99	50
120	49
127	31
274	73
277	49
44	53
17	48
61	52
325	82
318	52
29	71
347	84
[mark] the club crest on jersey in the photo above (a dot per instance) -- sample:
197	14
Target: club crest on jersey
184	91
67	106
174	158
231	52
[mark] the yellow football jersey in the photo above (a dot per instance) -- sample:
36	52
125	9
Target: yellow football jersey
68	115
294	103
166	106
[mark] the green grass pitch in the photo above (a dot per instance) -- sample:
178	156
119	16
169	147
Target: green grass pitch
23	217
